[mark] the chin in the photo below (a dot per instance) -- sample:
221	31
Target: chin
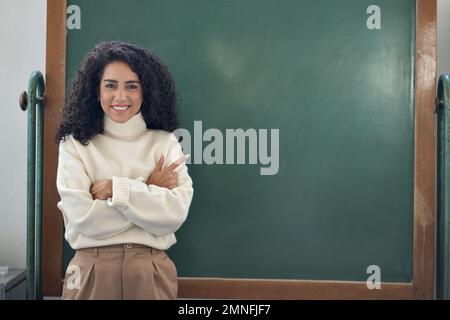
119	119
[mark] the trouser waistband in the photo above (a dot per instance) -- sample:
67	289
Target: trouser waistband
119	248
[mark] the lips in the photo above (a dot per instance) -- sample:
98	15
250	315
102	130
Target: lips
120	108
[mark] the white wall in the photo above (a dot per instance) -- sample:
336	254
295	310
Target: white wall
22	42
443	64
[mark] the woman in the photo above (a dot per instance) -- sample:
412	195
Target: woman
122	179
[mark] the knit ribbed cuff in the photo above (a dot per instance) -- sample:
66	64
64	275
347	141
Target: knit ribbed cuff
121	192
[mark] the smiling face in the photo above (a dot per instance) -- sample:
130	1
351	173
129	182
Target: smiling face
120	92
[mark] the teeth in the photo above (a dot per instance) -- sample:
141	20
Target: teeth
120	108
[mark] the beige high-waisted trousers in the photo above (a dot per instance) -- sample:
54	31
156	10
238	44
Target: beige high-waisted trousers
125	271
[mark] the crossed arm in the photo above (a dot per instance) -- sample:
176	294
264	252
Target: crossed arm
162	177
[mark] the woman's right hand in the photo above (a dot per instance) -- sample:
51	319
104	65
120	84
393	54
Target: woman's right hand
164	178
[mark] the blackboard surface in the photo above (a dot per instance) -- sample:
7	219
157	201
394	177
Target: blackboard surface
341	96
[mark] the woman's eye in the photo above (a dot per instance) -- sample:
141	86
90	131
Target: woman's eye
109	85
132	87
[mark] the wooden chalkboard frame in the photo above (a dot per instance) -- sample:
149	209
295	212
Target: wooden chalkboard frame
422	286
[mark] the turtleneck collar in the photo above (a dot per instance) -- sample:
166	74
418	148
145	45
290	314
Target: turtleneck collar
127	131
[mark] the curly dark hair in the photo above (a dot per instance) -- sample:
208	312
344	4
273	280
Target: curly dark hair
82	112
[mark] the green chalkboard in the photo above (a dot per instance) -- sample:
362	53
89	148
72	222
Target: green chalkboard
335	78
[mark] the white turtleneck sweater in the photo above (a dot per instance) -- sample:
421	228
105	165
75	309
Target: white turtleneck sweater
137	213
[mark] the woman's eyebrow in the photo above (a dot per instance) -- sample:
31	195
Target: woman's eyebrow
115	81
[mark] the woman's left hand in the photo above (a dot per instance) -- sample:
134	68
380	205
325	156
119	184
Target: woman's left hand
101	190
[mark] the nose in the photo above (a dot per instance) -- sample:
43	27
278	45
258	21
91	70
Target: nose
121	94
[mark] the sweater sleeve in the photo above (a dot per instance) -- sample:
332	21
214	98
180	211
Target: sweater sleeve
93	218
157	210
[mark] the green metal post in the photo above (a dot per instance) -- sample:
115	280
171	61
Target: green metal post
36	88
443	183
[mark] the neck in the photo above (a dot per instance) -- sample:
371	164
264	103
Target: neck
127	131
